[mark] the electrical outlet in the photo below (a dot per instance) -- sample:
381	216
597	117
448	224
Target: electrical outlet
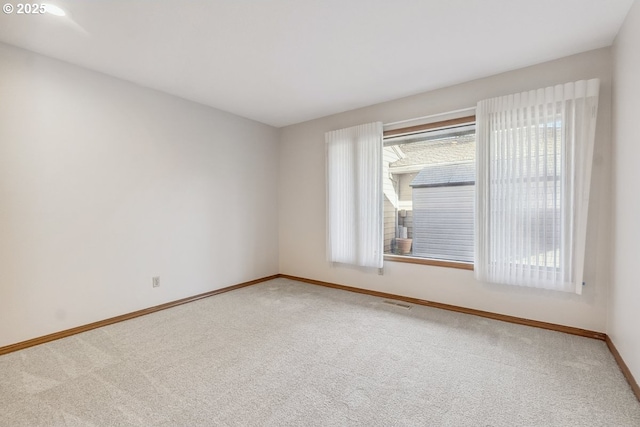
155	282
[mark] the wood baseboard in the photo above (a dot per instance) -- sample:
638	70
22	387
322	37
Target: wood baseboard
623	367
487	314
68	332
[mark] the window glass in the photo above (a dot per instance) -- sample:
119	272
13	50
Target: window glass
429	189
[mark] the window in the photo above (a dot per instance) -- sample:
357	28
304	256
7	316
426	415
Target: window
429	191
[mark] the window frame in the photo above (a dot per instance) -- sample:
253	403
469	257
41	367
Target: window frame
443	124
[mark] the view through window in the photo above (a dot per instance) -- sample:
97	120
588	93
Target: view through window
429	189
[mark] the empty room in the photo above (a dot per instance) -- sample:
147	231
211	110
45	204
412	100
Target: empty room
319	213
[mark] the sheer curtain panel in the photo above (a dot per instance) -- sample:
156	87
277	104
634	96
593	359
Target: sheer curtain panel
354	195
534	156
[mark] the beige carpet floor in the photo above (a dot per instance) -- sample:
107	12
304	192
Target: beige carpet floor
284	353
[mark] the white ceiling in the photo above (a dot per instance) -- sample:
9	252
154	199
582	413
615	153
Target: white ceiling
285	61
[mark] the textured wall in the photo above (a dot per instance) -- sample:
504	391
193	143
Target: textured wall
624	315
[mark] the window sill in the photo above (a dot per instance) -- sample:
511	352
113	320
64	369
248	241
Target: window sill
429	261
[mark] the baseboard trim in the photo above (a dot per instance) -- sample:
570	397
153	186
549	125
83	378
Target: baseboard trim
623	367
73	331
502	317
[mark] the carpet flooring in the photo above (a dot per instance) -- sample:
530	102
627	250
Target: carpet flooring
284	353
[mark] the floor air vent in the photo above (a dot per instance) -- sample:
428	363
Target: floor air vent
397	304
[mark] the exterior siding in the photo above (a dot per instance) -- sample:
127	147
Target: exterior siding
390	198
389	225
405	190
443	222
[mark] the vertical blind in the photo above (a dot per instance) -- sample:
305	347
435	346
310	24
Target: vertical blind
354	195
534	155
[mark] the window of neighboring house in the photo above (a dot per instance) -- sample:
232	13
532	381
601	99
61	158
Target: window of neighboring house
429	191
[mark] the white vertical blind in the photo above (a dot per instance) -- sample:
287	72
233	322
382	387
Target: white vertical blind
355	195
534	154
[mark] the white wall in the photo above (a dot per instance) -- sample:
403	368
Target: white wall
302	203
624	304
104	184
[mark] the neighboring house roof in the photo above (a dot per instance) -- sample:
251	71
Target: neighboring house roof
437	152
445	175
